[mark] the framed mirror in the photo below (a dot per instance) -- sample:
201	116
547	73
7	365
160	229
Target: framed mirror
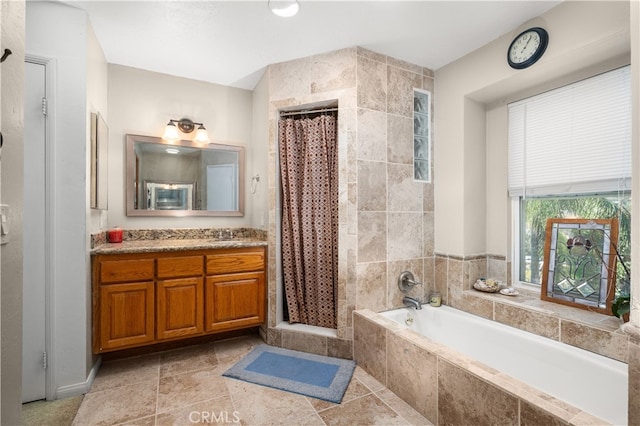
183	178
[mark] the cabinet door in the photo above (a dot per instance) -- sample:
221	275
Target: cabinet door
179	307
126	315
234	301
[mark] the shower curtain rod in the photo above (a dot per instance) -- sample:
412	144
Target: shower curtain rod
307	111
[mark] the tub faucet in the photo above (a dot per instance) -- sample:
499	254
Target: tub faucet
410	301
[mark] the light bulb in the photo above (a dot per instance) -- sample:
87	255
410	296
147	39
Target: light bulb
284	8
201	135
171	132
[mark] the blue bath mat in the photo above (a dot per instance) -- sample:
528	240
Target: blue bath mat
312	375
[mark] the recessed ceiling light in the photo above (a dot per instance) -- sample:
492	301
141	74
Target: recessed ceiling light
172	150
284	8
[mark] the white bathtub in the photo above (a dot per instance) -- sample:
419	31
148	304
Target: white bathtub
591	382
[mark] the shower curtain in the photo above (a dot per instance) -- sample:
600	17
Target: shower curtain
309	176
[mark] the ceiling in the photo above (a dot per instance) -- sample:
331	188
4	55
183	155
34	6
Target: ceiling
231	42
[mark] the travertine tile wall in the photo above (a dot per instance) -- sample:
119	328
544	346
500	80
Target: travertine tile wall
386	219
447	387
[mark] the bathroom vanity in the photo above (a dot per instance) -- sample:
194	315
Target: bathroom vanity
148	292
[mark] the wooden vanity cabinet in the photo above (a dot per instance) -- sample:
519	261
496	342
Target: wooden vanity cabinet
126	303
179	304
235	289
146	298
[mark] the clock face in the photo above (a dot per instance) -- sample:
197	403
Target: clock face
527	48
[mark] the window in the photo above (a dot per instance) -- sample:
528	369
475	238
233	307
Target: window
534	213
570	157
422	135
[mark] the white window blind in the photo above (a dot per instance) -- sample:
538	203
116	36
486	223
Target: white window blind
572	140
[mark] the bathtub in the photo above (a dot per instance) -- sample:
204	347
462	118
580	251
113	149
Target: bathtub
552	367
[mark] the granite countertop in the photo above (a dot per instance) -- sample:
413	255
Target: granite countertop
148	246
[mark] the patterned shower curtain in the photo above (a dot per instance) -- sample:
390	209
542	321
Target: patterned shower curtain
309	174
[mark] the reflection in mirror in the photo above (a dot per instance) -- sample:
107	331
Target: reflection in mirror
183	178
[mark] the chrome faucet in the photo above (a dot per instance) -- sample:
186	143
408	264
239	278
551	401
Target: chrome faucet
411	302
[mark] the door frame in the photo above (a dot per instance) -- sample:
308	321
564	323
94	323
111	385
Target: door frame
49	221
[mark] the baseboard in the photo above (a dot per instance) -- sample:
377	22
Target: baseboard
79	388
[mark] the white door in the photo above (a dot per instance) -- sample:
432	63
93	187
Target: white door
33	331
221	187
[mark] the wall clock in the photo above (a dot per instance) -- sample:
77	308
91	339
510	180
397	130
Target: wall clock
527	48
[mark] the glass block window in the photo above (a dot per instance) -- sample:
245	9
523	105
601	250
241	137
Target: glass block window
422	135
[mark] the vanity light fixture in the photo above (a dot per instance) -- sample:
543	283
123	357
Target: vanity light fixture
185	126
284	8
172	150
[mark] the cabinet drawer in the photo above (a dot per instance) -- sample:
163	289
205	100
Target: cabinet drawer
184	266
112	271
233	262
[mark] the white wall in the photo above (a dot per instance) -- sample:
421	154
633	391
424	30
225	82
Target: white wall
62	33
260	154
97	76
12	119
583	35
97	72
142	102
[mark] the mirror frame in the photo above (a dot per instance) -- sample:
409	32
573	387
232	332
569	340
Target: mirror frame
131	160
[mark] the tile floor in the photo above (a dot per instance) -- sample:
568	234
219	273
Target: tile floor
185	386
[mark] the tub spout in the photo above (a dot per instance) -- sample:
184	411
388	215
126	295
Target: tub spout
411	302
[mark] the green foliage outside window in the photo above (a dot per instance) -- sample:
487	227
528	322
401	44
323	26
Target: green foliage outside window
536	211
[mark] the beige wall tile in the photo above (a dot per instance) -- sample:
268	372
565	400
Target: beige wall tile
603	342
369	347
372	135
474	305
290	79
404	236
399	139
340	348
475	269
465	399
497	268
534	322
400	85
395	268
407	66
413	375
427	197
428	229
372	286
333	70
305	342
372	236
404	194
372	84
372	186
370	54
530	415
428	277
441	266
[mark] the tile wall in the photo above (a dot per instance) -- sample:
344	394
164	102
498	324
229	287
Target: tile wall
386	219
447	387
